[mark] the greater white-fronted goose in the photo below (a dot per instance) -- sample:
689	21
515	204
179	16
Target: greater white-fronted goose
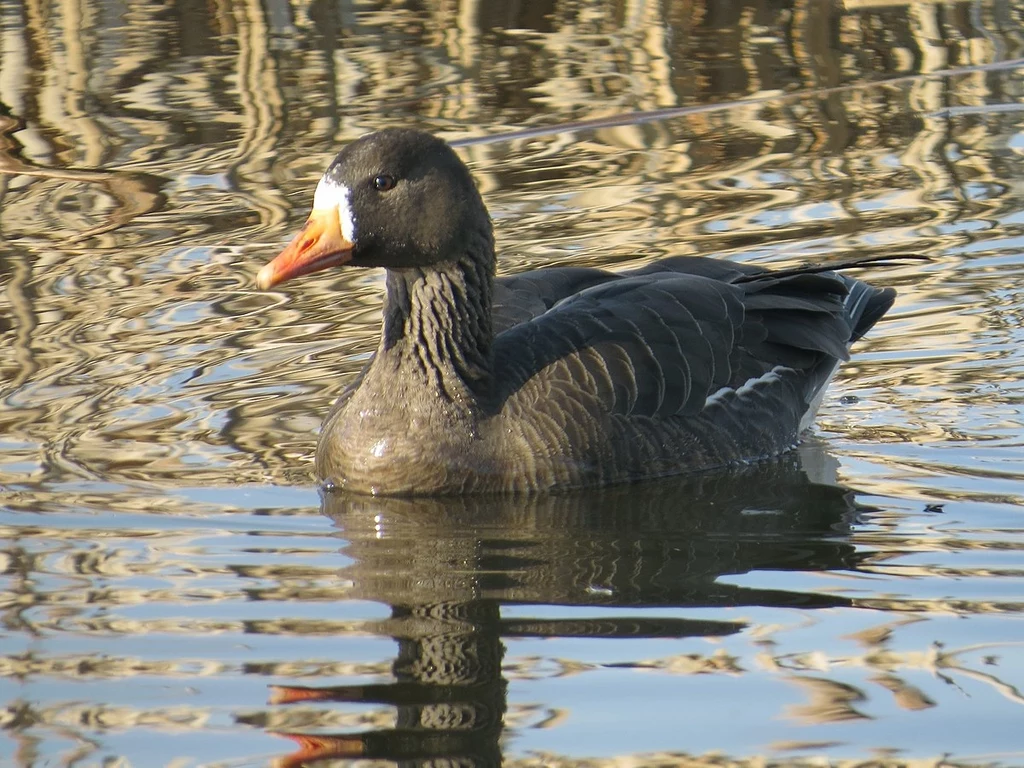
556	378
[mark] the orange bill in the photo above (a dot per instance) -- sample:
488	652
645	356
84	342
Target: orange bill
318	245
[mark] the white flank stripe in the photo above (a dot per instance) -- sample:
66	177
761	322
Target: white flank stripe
764	378
747	387
812	410
715	397
332	195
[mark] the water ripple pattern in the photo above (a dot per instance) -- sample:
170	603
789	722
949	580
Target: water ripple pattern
173	589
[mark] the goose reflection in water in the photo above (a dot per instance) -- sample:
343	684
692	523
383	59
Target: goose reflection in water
447	566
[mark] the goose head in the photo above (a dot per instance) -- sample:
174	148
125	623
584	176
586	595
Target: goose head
397	198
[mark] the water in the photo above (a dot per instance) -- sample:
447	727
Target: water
174	592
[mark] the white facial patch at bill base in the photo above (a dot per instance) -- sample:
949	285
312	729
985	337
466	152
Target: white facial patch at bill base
332	195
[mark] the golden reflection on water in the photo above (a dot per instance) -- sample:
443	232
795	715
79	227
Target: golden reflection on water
152	156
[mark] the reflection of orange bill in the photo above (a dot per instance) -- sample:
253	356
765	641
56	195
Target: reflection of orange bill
289	694
313	748
319	245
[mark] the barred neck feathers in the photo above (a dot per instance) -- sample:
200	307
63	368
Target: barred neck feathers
437	320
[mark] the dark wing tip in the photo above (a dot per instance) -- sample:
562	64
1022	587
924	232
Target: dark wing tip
867	262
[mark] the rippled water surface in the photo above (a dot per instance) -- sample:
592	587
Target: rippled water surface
173	591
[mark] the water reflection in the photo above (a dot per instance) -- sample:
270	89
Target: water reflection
447	566
161	561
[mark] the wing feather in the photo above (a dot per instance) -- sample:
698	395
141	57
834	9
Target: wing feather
677	335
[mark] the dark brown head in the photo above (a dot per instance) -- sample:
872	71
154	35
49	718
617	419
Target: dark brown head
397	198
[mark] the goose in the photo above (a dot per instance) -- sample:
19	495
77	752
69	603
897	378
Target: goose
562	377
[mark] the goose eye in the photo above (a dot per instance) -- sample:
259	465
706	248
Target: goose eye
384	182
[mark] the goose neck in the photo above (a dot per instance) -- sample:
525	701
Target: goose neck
437	324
